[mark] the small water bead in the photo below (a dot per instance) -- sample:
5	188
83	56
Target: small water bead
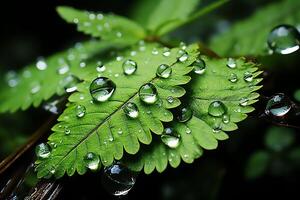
231	63
119	34
278	105
184	114
248	76
217	128
92	161
244	101
118	180
131	110
52	170
133	53
284	39
154	51
70	83
182	55
92	16
164	71
149	112
129	67
43	150
170	138
226	119
80	111
233	78
75	20
102	88
100	68
12	79
170	99
182	45
41	64
120	131
67	130
100	16
53	145
36	87
216	109
148	93
119	58
199	66
166	52
27	73
82	64
63	69
188	130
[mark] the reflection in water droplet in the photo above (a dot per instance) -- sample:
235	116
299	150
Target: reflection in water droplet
131	110
278	105
217	109
199	66
42	151
231	63
118	180
284	39
92	161
233	78
148	93
182	55
170	138
102	88
248	76
80	111
129	67
184	114
164	71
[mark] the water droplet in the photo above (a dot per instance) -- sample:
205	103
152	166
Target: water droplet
67	130
80	111
182	55
52	107
70	83
82	64
129	67
27	73
244	101
92	161
100	16
148	93
166	52
184	114
119	34
217	128
199	66
164	71
170	99
119	58
170	138
182	45
53	145
36	87
92	16
12	79
154	51
233	78
41	64
131	110
284	39
63	69
231	63
248	76
43	150
216	109
102	88
100	67
188	130
52	170
226	119
120	131
278	105
133	53
118	179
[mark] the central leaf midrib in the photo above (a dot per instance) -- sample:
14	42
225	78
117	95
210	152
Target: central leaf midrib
104	121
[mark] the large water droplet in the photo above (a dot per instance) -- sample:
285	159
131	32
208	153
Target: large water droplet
102	88
170	138
80	111
231	63
284	39
118	179
131	110
42	150
248	76
164	71
148	93
129	67
217	109
92	161
182	55
233	78
199	66
278	106
184	114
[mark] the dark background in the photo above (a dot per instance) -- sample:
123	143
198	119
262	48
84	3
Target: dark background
32	28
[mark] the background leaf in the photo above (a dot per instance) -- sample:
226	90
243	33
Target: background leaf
257	164
279	138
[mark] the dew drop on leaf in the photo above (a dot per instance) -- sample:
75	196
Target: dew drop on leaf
278	105
284	39
102	88
166	52
199	66
170	138
184	114
36	87
148	93
188	130
226	119
129	67
244	101
182	55
100	67
67	130
92	161
216	109
69	83
80	111
63	69
118	180
41	64
248	76
231	63
12	79
170	99
82	64
233	78
164	71
131	110
154	51
43	150
182	45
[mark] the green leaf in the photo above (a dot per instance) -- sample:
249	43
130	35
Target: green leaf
155	13
105	130
108	27
257	164
249	36
279	138
203	131
31	86
297	95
